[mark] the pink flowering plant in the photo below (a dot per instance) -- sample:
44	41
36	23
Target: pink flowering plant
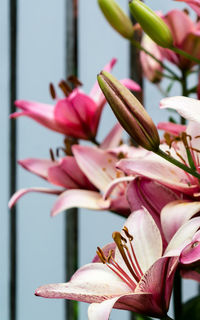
151	180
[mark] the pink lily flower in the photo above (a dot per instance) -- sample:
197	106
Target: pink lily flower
77	115
194	4
86	176
158	169
151	68
186	35
135	275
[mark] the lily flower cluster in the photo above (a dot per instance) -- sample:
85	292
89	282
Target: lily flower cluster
153	182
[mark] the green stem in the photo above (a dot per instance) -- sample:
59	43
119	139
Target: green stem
177	297
138	45
177	163
185	55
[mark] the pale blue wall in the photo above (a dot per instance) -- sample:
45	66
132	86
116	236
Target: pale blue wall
41	60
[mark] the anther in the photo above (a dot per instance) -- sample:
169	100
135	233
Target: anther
125	229
52	91
75	81
58	149
101	255
51	154
65	88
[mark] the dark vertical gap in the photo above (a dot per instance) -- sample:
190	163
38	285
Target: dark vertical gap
12	159
135	73
71	216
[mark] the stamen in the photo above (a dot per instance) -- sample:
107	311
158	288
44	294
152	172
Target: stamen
58	149
101	255
51	154
65	88
189	155
75	81
52	91
118	240
180	156
130	237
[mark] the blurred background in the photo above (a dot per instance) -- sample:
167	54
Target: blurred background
41	60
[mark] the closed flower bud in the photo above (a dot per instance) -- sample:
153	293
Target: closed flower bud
129	111
152	24
117	18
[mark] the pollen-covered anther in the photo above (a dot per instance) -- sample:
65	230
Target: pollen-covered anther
51	154
101	255
52	91
75	81
129	236
65	88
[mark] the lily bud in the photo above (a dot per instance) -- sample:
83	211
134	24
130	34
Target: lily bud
117	18
129	111
152	24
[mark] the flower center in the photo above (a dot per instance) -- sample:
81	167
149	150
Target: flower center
125	247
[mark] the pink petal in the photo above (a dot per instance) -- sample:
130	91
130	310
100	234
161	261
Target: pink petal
175	214
180	25
188	108
96	164
79	199
75	114
40	112
172	128
147	241
190	274
191	253
17	195
115	183
182	237
68	174
160	170
130	84
158	281
39	167
150	194
120	205
194	4
101	311
96	93
89	284
113	139
151	297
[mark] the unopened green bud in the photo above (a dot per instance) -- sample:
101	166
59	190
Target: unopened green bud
117	18
129	111
151	23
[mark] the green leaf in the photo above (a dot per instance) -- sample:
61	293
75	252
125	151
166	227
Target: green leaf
191	309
